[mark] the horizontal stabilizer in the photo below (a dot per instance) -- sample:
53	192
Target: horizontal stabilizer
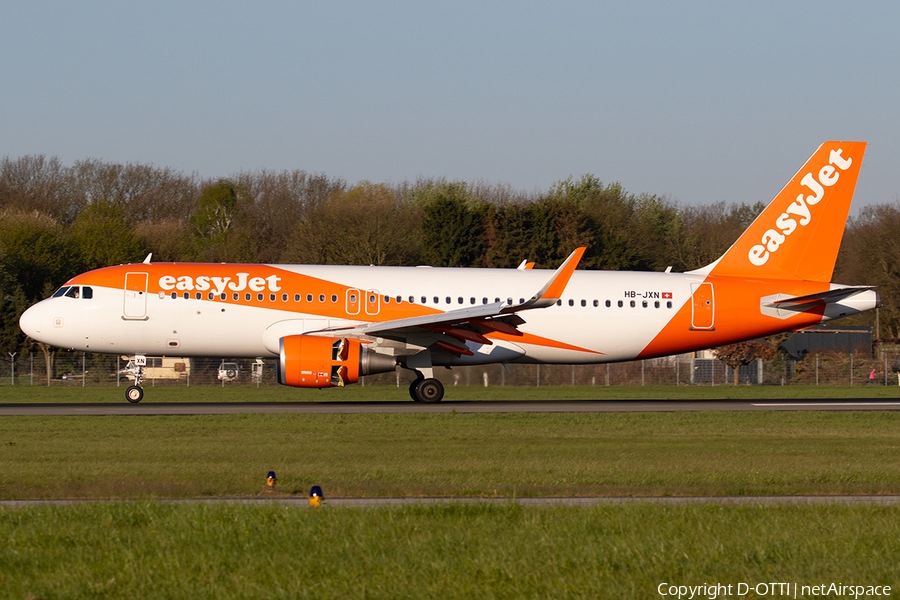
827	296
783	306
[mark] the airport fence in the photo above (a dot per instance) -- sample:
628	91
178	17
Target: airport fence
834	368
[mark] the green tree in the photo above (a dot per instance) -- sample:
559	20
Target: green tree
213	217
36	257
452	226
870	255
101	237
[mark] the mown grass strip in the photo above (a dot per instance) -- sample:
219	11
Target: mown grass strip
148	550
446	454
386	393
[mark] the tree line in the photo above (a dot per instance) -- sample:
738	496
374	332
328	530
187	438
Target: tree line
57	221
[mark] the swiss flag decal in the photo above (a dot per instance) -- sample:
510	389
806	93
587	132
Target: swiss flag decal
667	295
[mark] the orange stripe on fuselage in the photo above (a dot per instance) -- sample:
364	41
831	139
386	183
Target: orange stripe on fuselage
253	279
737	317
185	277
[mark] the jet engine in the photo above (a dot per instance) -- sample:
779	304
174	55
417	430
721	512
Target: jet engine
319	362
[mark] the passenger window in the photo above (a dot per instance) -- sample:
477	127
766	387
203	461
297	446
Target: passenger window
668	305
211	296
620	304
284	297
459	300
656	304
174	295
259	297
271	297
334	297
235	296
633	304
471	300
412	299
387	299
223	296
297	298
584	302
309	297
448	299
199	296
436	300
248	296
571	302
187	295
644	303
321	297
608	304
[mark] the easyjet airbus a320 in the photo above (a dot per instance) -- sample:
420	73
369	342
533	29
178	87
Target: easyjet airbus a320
329	325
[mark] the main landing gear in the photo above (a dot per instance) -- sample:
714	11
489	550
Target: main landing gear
426	390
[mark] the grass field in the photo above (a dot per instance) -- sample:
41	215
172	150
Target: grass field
10	394
447	454
151	550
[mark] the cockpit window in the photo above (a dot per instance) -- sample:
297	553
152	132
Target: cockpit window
74	291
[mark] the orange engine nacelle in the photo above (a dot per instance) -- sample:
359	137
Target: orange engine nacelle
318	362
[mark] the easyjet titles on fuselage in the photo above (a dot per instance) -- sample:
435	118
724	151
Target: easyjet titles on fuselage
773	238
203	283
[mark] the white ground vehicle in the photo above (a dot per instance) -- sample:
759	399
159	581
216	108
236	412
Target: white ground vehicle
229	371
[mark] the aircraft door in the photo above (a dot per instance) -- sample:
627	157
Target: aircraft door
373	302
703	307
135	296
352	302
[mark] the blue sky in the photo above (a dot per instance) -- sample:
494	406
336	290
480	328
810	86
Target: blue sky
701	101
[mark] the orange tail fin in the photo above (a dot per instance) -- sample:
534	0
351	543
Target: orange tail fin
798	235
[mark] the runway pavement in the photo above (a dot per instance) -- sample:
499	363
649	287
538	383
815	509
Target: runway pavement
537	406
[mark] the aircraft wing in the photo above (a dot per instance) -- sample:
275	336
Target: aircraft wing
471	323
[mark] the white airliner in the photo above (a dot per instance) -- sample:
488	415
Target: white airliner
329	325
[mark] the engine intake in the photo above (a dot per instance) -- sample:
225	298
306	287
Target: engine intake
319	362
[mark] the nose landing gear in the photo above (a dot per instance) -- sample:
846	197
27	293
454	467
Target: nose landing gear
134	394
135	370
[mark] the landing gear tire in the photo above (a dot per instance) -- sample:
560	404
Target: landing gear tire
413	386
430	390
134	394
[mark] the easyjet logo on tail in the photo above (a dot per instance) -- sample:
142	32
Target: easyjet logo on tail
786	224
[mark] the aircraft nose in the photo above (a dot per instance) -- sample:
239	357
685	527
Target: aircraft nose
30	322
